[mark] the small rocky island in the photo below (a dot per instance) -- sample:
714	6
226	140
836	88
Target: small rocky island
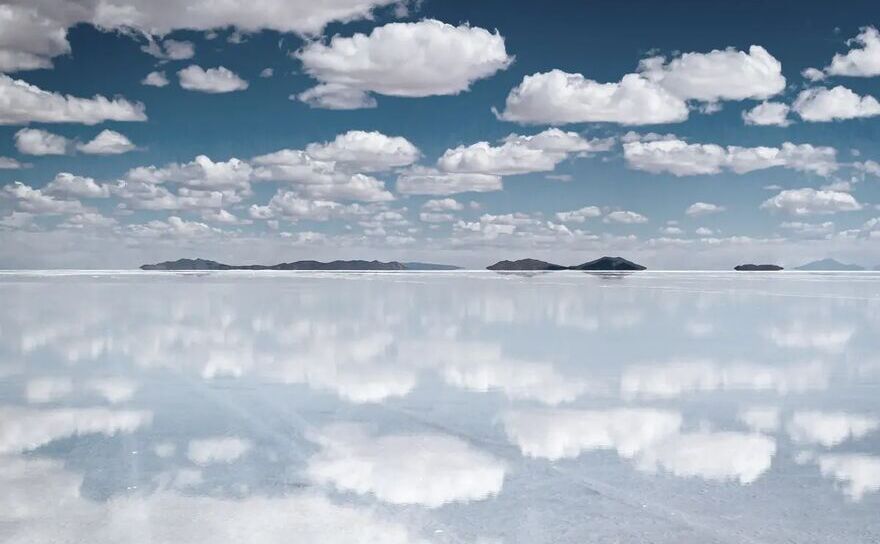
616	264
758	268
524	264
609	263
203	264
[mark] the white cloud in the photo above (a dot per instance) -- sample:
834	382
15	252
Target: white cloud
222	449
625	216
8	163
200	173
718	75
224	217
829	429
579	215
808	201
34	141
267	73
155	79
703	208
428	181
174	228
439	59
333	96
558	97
813	74
87	220
22	103
680	158
822	104
170	49
23	429
859	473
28	39
768	113
831	338
212	80
363	151
107	142
425	469
760	419
442	205
49	389
35	201
652	438
70	185
519	154
674	379
114	390
860	62
292	207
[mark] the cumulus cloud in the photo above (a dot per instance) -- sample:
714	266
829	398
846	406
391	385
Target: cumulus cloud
170	49
363	151
761	419
651	438
558	97
34	141
626	217
24	429
333	96
8	163
29	39
442	205
200	173
425	469
680	158
22	103
48	389
520	154
658	93
703	208
174	228
417	59
429	181
858	473
34	201
70	185
221	449
822	104
212	80
718	75
107	142
809	201
861	61
155	79
580	215
291	206
768	113
829	429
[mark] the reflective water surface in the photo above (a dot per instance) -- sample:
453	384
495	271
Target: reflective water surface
439	407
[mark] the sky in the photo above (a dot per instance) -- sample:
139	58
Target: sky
681	135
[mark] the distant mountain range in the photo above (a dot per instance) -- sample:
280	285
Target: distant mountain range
830	264
203	264
601	264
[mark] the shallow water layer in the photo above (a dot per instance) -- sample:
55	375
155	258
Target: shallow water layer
439	407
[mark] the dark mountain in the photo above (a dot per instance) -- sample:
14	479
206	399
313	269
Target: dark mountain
609	263
758	268
202	264
430	266
525	264
829	264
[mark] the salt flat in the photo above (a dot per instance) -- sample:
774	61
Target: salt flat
439	407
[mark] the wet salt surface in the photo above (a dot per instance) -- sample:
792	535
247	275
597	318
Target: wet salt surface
439	407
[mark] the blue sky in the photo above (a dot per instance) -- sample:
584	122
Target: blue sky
601	125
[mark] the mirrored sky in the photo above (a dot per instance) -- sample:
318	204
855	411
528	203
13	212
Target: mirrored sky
439	407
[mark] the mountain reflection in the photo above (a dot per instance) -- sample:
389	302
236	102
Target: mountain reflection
431	408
